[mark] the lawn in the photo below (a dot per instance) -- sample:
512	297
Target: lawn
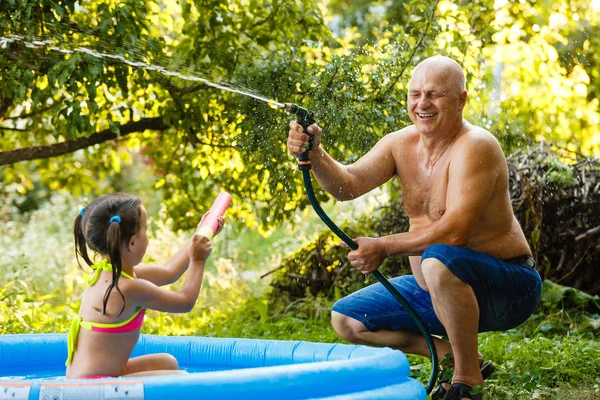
554	355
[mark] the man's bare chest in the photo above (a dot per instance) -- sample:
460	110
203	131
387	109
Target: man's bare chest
425	197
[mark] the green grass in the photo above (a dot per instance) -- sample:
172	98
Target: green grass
555	355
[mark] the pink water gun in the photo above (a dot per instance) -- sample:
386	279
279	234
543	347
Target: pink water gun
211	222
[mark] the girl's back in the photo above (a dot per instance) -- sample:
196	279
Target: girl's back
92	357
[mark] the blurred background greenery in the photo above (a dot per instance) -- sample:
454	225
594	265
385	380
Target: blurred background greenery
75	125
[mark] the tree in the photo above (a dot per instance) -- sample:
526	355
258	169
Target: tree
90	87
74	116
549	87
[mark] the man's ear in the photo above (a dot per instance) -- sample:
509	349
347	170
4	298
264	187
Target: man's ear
462	100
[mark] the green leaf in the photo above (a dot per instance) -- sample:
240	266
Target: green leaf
91	89
115	127
20	91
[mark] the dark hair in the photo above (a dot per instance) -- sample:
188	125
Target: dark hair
93	229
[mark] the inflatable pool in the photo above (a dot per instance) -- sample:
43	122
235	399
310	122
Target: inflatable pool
31	367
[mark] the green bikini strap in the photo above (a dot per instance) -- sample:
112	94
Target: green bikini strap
72	338
99	267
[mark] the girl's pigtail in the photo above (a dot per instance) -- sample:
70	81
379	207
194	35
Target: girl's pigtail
113	244
80	242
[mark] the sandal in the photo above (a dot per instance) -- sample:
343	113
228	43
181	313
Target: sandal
445	376
460	391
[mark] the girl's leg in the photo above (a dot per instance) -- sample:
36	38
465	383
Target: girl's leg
152	364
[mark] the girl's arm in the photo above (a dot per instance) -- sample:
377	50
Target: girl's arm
146	294
173	268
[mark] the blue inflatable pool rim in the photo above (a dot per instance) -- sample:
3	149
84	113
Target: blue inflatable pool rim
237	368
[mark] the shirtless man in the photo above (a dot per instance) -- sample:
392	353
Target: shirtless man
472	267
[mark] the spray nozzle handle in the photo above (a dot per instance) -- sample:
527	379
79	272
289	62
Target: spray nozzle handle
305	118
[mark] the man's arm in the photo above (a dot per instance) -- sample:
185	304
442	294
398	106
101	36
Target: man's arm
346	182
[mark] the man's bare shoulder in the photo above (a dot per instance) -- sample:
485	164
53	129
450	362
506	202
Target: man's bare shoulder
477	138
407	131
407	135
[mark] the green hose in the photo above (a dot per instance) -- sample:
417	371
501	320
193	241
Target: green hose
305	118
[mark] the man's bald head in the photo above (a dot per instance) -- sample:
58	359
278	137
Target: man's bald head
436	95
445	67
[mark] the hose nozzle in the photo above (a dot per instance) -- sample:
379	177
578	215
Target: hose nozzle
303	115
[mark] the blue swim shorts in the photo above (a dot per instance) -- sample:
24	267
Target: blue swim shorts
507	292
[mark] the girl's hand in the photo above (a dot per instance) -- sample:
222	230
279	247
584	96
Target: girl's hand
219	227
200	248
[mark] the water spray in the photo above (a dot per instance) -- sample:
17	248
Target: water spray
50	44
305	118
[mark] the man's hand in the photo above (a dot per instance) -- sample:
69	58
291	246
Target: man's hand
369	255
298	140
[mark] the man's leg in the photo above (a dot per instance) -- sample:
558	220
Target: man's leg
455	305
372	316
409	342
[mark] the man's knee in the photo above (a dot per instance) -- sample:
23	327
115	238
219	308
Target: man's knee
436	273
347	328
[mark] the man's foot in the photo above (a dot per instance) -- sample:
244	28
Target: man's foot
445	378
461	391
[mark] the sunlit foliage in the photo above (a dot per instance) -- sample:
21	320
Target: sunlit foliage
348	62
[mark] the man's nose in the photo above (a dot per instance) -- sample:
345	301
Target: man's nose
424	101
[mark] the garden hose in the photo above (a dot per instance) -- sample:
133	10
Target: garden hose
305	118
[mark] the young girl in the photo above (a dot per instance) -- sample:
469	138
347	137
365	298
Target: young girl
120	289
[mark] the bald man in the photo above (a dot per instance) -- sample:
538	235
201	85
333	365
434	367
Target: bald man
472	267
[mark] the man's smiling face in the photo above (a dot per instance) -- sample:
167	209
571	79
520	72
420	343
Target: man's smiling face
435	100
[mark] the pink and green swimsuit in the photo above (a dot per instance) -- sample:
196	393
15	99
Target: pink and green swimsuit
135	322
